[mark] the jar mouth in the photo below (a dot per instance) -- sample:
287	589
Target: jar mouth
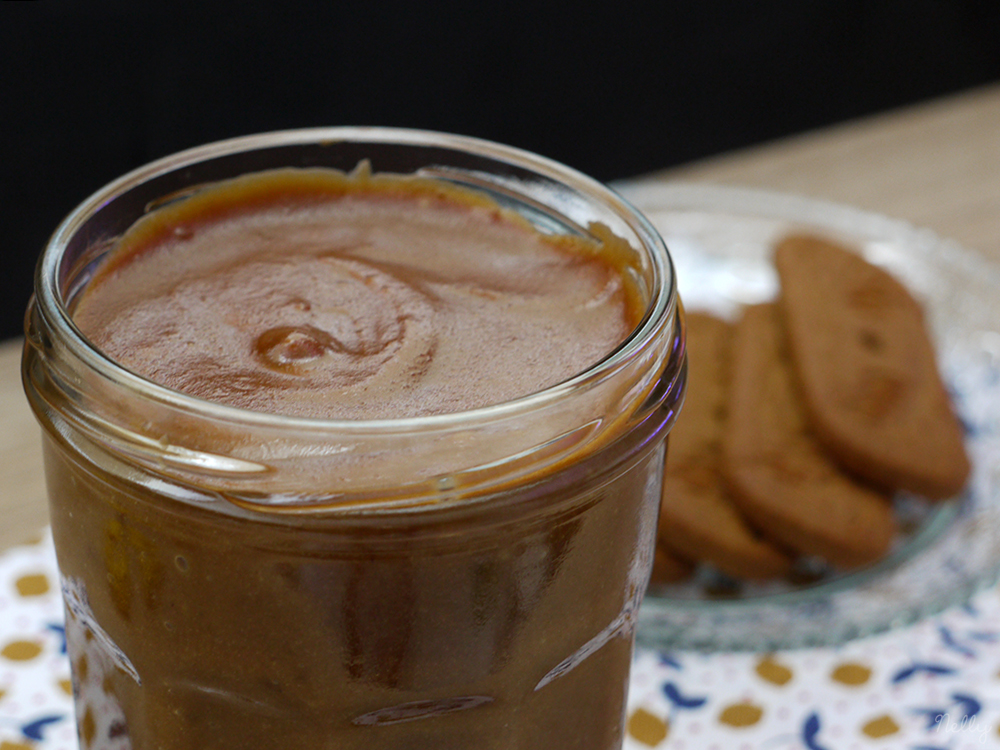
525	175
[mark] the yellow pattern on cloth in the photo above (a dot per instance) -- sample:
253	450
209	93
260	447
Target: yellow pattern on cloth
881	726
646	728
851	674
741	715
770	670
21	650
32	585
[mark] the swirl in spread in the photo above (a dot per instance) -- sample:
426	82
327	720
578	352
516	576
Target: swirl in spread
313	293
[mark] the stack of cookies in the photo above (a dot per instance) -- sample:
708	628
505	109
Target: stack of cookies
802	420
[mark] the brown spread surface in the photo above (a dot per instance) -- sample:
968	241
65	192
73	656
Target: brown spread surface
316	294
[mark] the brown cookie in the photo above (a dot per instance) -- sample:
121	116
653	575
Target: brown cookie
697	520
668	568
777	473
868	370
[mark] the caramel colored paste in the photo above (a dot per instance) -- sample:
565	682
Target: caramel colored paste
315	294
496	625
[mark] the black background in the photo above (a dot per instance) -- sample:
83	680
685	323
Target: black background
89	90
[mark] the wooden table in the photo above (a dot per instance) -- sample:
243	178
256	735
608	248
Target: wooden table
936	165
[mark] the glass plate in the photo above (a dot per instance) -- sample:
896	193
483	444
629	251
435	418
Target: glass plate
721	240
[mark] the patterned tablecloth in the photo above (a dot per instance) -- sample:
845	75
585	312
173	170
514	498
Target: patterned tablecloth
931	686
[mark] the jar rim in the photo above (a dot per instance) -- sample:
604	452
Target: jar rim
661	309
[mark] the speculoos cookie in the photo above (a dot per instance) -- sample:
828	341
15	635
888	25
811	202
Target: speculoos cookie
668	568
777	473
868	370
698	521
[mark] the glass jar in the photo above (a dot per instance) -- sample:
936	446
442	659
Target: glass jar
235	579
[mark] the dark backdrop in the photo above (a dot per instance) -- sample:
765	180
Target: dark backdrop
89	90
